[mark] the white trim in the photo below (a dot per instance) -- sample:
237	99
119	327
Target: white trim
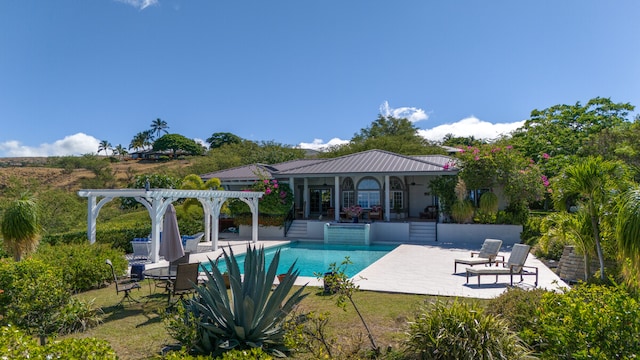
157	200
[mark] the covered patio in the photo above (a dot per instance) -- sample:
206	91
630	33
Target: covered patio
156	202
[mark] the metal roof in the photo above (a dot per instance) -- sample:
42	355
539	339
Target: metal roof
366	162
374	161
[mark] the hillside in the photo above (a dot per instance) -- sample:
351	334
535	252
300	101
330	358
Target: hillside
32	169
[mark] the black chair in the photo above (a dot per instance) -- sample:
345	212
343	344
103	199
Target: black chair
185	281
123	285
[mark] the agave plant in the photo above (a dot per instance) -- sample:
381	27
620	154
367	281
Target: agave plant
254	315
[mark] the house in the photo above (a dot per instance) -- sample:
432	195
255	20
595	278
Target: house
396	184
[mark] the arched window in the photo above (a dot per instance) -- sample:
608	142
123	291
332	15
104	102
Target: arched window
368	193
396	193
348	193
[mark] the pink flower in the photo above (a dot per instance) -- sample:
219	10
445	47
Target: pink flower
275	185
545	156
495	150
475	151
476	158
509	147
265	181
267	191
445	166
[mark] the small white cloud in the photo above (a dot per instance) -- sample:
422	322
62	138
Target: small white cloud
470	126
77	144
140	4
412	114
319	145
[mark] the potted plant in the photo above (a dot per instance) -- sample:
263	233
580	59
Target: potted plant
353	212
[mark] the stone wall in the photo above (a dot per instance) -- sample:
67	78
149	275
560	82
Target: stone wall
571	265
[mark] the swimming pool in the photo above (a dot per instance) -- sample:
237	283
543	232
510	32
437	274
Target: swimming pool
315	258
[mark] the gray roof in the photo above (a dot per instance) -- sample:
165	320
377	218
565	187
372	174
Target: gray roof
366	162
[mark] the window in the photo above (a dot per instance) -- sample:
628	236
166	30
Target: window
368	193
348	194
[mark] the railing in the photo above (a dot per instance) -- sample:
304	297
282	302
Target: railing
288	220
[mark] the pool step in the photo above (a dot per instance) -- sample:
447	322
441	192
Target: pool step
422	232
298	230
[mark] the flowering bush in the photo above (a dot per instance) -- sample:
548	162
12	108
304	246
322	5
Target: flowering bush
486	166
353	211
272	207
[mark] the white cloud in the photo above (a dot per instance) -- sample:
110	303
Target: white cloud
470	126
412	114
319	145
77	144
140	4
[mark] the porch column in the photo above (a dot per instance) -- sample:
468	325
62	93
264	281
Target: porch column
305	199
387	211
336	212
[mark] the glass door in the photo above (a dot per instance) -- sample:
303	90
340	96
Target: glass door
319	200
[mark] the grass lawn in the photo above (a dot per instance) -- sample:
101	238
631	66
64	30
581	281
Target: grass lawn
137	330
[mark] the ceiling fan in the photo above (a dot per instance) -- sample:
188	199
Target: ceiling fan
413	182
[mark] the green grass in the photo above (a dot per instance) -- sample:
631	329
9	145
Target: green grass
137	330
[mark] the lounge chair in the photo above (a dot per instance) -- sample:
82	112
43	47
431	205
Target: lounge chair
185	281
487	255
141	248
123	285
513	266
191	242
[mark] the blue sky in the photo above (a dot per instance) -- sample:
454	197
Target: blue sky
306	73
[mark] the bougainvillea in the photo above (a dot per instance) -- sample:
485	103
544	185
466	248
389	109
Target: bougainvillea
487	166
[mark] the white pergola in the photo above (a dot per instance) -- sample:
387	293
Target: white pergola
157	200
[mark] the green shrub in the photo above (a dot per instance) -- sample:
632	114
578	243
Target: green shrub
458	330
587	322
34	293
15	344
78	316
519	307
83	264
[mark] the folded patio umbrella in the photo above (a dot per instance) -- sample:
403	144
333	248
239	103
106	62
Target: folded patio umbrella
171	244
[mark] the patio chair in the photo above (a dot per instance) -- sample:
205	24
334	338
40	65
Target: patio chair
185	281
513	266
123	285
191	242
487	255
141	248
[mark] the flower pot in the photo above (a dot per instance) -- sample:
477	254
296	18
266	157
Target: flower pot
354	219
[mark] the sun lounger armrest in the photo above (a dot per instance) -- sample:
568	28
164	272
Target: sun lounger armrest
474	253
500	256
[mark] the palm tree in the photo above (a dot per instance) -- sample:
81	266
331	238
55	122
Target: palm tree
141	140
158	126
588	183
104	146
120	150
628	228
21	227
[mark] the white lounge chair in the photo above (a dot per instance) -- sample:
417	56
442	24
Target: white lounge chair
141	248
191	242
487	255
513	266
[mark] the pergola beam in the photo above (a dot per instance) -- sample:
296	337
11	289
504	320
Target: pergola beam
156	202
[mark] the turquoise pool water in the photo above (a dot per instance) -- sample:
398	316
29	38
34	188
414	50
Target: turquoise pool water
315	258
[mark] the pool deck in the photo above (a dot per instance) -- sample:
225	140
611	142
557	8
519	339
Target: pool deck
417	269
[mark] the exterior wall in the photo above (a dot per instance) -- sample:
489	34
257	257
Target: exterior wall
476	233
389	232
264	232
315	229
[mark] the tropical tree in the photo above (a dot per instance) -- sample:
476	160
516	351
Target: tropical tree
104	146
120	151
591	184
561	131
628	232
175	143
159	126
194	182
398	135
218	139
141	140
21	227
